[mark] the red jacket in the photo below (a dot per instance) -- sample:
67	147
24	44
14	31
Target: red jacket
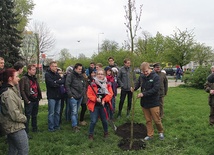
92	98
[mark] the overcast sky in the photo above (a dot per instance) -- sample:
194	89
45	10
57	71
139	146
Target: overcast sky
84	20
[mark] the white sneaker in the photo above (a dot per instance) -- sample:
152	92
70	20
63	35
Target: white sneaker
161	136
147	138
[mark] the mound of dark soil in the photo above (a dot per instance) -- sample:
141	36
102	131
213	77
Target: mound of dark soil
139	132
137	144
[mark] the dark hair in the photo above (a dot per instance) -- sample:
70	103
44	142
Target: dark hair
18	65
126	60
6	73
111	58
30	66
93	63
77	65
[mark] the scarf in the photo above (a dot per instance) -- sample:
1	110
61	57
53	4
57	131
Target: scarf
101	83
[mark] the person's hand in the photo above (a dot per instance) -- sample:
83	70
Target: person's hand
132	89
139	95
99	100
212	92
103	103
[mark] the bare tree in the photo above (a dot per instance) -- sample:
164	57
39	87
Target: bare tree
28	48
132	29
44	39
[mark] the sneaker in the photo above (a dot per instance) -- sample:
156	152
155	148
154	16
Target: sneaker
147	138
105	135
83	123
161	136
91	137
76	129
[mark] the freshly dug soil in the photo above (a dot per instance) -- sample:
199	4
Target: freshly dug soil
139	130
139	133
137	144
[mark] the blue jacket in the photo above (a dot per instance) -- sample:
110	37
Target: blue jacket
150	87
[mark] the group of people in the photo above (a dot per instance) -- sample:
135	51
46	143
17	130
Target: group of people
94	89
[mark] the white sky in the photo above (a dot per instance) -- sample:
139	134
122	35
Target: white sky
84	20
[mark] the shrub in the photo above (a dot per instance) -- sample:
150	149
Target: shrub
198	77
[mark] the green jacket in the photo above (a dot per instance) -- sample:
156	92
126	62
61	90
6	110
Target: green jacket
12	118
163	84
209	86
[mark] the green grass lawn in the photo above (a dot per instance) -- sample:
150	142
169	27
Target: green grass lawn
185	122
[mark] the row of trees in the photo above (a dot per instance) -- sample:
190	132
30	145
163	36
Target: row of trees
179	48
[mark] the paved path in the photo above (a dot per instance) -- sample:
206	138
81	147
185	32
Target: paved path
171	83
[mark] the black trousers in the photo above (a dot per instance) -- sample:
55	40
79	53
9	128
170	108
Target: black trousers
122	99
31	111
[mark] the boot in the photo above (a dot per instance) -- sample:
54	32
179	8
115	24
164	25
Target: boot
119	114
128	113
91	137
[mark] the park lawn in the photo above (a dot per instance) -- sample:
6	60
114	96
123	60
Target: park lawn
187	131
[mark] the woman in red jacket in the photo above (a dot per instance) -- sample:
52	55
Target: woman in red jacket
99	93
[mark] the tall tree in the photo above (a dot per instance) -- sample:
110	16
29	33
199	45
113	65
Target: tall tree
10	39
28	49
179	47
108	45
23	9
44	39
202	54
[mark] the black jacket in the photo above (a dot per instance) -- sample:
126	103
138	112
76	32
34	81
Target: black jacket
53	82
75	85
150	87
24	85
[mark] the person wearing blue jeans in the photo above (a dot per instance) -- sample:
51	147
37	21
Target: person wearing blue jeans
54	114
12	114
53	82
75	105
99	97
75	86
18	143
99	111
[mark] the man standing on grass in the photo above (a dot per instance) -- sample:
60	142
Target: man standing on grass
31	94
209	88
149	82
75	86
163	86
53	81
125	75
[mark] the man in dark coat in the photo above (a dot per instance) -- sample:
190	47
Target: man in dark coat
149	82
31	94
163	86
53	81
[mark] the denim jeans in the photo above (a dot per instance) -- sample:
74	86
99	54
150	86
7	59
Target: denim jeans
31	110
74	106
18	143
98	111
53	114
67	110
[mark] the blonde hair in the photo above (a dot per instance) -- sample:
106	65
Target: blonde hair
101	70
144	66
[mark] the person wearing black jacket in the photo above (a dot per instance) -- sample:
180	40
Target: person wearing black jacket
53	81
31	94
149	82
75	86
